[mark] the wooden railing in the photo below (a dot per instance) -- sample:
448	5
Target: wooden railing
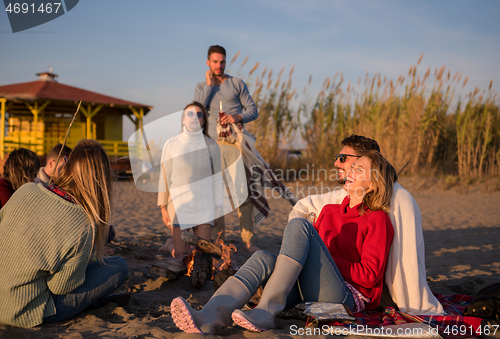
115	148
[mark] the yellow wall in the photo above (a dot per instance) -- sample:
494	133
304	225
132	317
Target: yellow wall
113	127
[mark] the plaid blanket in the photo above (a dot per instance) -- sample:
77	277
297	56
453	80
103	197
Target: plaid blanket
451	325
259	176
257	170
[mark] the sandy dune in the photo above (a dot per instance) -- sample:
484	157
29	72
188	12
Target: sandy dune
461	230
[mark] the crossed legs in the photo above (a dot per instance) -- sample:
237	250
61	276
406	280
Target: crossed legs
318	278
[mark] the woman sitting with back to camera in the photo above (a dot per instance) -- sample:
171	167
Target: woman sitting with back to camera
341	259
47	236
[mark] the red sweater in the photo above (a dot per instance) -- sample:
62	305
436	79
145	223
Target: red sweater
6	192
359	245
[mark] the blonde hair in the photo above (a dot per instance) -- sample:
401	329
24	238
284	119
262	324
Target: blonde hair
21	167
383	176
87	176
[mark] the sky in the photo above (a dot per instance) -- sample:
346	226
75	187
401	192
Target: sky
154	52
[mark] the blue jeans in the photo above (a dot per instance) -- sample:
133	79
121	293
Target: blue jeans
319	280
100	280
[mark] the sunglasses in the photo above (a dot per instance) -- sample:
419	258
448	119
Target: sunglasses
343	157
191	114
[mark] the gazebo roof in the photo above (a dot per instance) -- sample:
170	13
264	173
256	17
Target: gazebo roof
47	88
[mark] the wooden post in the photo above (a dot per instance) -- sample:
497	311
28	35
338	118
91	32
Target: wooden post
35	123
89	127
2	128
139	127
89	114
141	122
35	110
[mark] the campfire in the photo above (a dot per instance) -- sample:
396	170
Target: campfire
219	264
207	261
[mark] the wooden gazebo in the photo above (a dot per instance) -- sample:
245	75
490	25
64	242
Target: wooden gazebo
36	115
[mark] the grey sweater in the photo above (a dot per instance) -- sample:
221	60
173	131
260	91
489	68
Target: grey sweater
236	99
45	244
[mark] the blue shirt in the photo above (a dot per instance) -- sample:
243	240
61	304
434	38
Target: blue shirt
236	99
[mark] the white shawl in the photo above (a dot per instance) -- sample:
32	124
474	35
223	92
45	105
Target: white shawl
405	274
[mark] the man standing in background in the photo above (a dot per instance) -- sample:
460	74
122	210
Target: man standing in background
239	108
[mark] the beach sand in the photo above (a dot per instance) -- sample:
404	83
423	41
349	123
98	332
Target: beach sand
461	231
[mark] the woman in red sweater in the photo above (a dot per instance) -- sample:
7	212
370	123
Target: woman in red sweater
340	259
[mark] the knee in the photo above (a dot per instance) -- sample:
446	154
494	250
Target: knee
265	259
118	265
264	256
298	224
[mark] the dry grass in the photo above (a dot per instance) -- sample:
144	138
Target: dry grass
418	120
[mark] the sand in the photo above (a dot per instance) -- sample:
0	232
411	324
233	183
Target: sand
461	231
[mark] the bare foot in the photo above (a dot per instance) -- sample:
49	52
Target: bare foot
251	248
168	246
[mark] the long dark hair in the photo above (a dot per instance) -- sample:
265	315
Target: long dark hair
21	167
204	128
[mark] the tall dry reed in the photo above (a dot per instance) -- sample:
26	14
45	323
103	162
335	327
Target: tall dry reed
420	122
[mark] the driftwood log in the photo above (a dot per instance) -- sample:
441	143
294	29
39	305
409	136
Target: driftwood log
202	269
203	245
170	269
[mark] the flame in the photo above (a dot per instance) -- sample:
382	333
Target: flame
189	261
218	265
225	261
